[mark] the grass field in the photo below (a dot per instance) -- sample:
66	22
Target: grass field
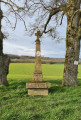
62	103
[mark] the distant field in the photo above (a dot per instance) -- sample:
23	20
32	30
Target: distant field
62	103
27	69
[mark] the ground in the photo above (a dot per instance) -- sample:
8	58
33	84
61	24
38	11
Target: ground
62	103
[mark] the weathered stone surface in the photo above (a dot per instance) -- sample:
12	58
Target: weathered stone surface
38	88
38	92
4	67
37	76
38	85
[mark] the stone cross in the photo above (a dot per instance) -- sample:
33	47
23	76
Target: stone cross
37	72
38	34
37	86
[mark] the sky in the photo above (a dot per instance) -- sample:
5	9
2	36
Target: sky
19	43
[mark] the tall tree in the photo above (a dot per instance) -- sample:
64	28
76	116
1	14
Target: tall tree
4	59
72	44
50	11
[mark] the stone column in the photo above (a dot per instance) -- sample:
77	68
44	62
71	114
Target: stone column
37	86
37	72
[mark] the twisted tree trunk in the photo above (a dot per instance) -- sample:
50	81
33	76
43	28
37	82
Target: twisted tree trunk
4	59
72	46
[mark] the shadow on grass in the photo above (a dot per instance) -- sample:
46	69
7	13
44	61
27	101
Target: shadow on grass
56	86
21	84
14	84
55	82
79	82
56	89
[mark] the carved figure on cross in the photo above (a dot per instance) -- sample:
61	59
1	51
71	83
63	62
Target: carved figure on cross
38	34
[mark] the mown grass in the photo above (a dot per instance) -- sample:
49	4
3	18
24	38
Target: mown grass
62	103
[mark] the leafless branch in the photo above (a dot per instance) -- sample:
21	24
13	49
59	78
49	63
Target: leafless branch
15	9
45	11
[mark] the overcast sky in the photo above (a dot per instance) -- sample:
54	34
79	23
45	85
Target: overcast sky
20	43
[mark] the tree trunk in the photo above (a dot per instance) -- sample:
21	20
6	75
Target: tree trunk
4	66
4	59
72	46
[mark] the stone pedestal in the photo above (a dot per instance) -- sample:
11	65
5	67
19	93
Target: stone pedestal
38	88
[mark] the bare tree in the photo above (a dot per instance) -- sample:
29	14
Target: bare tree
14	9
49	14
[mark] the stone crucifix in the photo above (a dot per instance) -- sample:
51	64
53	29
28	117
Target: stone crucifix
37	86
37	72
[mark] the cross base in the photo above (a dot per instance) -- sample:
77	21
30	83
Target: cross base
38	88
33	92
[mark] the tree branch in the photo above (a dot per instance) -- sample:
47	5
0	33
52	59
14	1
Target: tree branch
52	13
79	10
15	12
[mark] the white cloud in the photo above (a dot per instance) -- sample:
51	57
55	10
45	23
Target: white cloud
10	48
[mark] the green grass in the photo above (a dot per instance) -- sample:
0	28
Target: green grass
62	103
